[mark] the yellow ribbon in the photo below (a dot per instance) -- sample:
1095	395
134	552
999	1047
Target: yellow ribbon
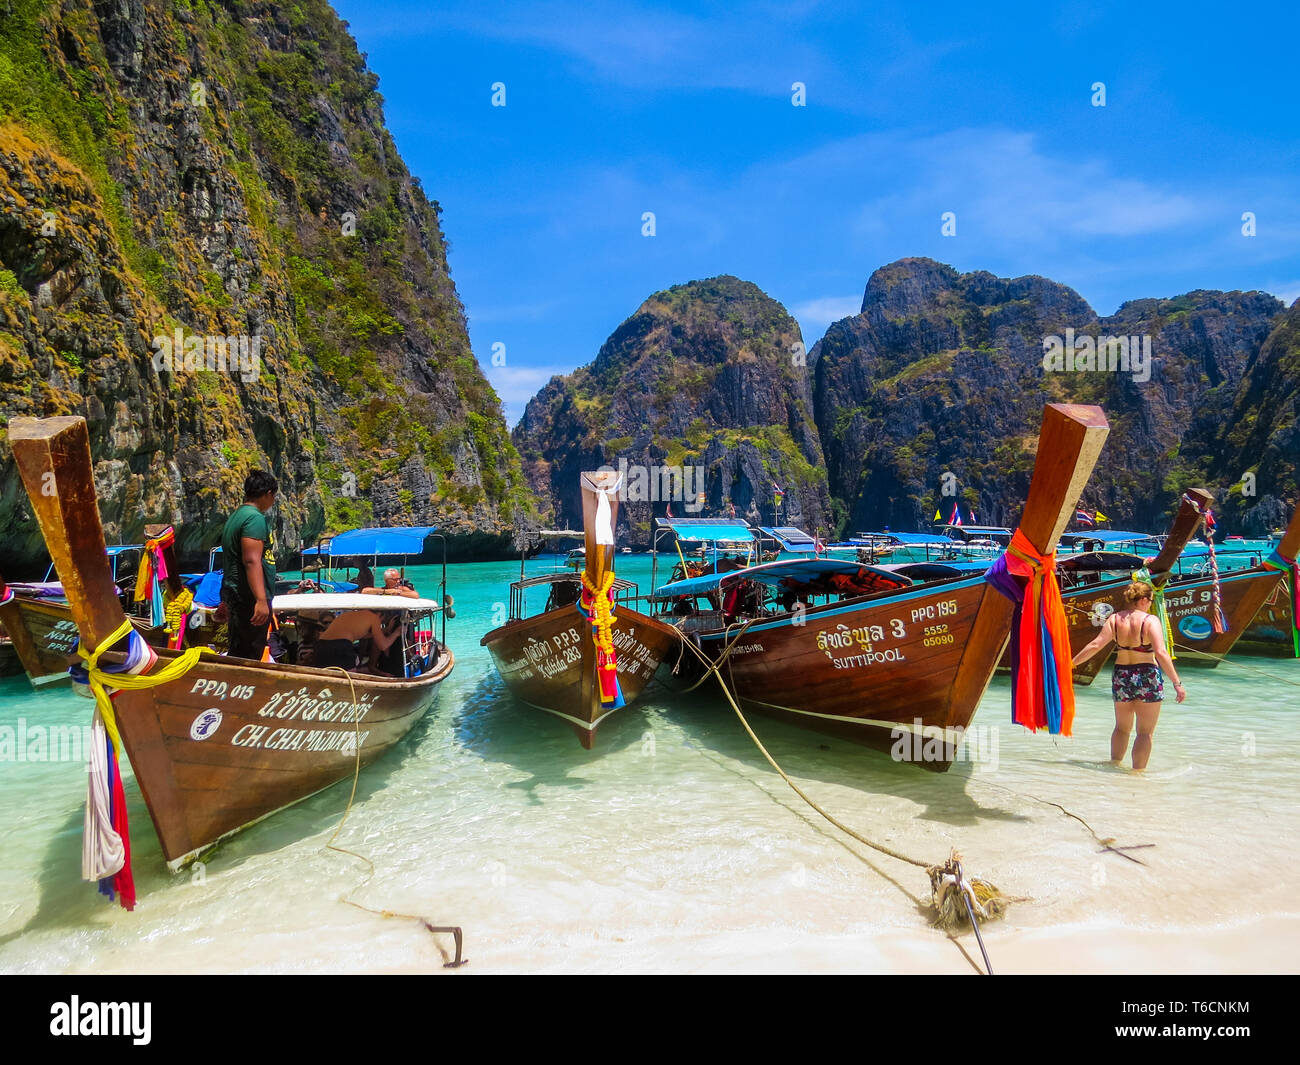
101	681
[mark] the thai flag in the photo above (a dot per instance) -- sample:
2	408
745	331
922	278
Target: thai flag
1084	519
956	516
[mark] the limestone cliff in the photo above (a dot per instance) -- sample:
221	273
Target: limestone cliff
707	375
943	372
198	170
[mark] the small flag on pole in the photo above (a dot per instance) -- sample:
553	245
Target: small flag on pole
1100	516
938	515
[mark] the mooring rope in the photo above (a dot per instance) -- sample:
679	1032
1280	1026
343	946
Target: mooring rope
428	925
1236	663
978	894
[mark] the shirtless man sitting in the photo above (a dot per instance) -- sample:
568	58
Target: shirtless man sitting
336	646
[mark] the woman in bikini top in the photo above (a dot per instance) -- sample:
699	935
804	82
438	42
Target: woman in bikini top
1143	648
1137	683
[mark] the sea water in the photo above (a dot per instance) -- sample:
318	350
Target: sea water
673	846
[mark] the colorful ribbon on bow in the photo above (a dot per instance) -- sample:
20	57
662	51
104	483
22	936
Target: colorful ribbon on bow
153	571
1290	567
597	606
1042	685
1161	610
1218	622
106	844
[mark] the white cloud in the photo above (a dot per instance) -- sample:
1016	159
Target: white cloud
516	385
1287	291
814	316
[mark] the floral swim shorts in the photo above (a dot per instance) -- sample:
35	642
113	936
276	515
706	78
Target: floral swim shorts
1142	683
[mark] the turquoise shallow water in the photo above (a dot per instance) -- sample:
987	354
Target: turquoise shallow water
672	845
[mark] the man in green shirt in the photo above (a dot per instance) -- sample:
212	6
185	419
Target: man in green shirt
248	567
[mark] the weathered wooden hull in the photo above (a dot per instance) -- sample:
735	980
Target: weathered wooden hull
234	741
549	662
1271	633
904	670
885	669
43	635
1190	607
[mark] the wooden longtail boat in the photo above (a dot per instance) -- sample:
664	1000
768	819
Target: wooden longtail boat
550	660
1087	606
1242	593
40	632
233	740
39	623
1190	603
909	659
1274	631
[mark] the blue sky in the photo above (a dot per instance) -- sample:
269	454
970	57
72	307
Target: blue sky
912	110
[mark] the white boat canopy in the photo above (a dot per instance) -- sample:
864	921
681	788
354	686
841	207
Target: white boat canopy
349	601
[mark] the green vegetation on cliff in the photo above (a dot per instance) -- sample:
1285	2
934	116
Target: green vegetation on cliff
223	169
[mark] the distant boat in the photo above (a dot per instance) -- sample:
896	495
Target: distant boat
37	620
1273	629
232	740
1189	597
549	659
872	656
1093	582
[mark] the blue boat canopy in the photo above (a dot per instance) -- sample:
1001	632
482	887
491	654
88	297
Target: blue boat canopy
1109	536
791	539
797	571
117	549
707	530
914	539
376	542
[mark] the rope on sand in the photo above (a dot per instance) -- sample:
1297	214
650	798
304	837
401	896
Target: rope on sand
1106	842
451	930
956	900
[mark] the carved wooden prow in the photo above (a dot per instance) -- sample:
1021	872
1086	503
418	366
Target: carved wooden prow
53	458
1069	444
1187	521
